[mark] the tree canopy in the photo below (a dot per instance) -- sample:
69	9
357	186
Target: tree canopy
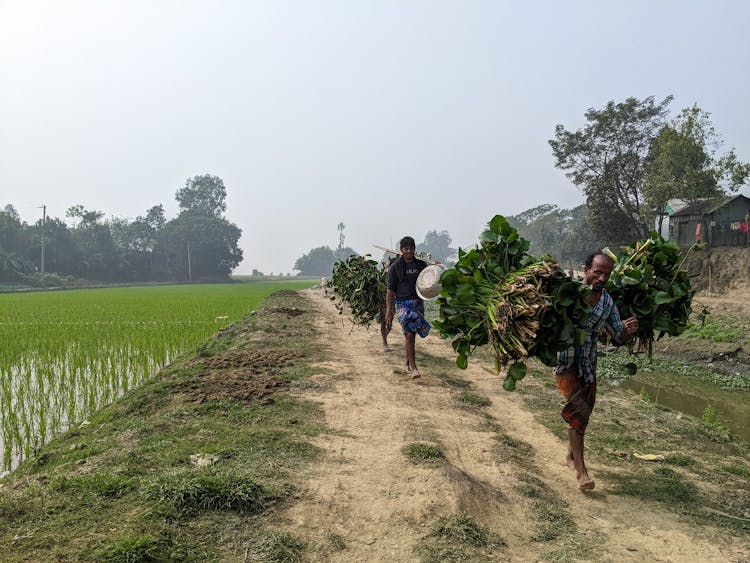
606	159
203	195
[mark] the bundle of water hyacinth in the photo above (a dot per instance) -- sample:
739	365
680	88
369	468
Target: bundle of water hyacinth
358	281
649	283
522	306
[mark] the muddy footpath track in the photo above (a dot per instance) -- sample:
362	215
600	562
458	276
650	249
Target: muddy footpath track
383	507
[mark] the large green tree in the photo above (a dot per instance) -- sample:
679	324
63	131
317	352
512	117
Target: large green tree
683	163
606	159
201	247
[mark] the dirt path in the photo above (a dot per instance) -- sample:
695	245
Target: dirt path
378	506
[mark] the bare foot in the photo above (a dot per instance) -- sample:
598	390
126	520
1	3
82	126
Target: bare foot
585	483
386	348
415	374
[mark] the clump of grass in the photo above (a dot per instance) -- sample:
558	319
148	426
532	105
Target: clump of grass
211	347
739	471
679	460
134	549
419	452
190	492
532	487
474	399
709	415
712	427
663	485
720	329
552	521
644	395
335	541
464	529
456	382
101	484
459	538
510	449
279	547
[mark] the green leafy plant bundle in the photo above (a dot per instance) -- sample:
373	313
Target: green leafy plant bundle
359	282
648	283
500	295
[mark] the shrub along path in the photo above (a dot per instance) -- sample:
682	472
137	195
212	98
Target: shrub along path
451	467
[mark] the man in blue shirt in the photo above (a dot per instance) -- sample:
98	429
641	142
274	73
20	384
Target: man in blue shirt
402	288
576	367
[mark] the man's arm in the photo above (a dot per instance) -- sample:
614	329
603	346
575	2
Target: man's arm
389	309
622	330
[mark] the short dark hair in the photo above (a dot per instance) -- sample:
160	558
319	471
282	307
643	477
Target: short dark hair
407	242
590	259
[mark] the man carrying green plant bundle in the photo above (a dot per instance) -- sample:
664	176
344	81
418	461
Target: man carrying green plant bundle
576	369
402	287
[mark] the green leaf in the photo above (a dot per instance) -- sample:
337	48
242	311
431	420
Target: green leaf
509	384
499	225
517	371
662	297
462	361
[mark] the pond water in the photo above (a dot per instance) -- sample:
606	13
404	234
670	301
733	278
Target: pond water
691	396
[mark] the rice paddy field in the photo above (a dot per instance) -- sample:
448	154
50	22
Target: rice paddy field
65	354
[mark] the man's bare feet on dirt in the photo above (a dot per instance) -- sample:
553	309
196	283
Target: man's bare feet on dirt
415	374
387	348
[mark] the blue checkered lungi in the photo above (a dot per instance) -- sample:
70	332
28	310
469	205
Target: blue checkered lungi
410	313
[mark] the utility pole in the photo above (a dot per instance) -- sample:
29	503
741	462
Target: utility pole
190	272
44	221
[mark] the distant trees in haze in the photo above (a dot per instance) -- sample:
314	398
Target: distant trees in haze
438	245
198	244
320	260
566	234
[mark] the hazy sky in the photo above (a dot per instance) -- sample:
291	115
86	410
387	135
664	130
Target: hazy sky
393	117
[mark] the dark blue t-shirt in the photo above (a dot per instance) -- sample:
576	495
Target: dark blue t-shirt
402	278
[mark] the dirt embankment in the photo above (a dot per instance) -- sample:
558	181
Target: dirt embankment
722	270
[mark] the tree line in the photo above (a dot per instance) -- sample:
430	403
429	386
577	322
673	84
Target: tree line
320	260
198	244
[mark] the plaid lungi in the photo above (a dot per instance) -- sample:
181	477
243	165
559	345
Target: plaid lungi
410	313
579	398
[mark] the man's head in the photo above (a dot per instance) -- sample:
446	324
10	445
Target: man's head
408	247
596	270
